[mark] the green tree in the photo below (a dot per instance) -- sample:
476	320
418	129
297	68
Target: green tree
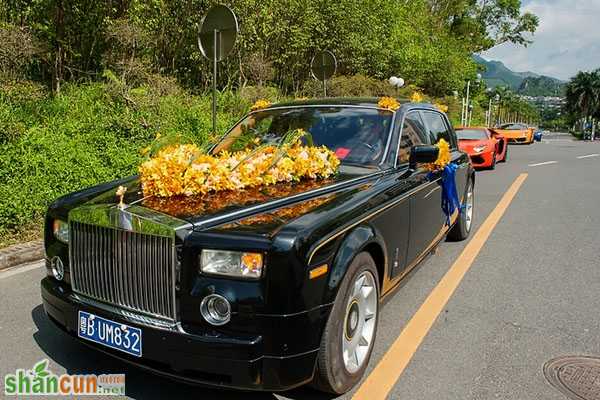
484	24
583	95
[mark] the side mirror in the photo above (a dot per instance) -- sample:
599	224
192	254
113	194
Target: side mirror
423	154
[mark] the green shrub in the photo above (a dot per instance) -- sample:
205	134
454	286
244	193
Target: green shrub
349	86
87	136
250	94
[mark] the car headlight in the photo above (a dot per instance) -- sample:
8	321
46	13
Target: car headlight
61	230
231	263
479	149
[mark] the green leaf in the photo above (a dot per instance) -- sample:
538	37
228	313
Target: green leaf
40	367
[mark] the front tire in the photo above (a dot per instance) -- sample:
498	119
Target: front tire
462	228
505	159
493	165
349	335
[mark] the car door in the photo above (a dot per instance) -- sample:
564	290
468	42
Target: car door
426	216
438	127
394	222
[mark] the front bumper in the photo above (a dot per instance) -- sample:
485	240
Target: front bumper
520	140
211	359
482	160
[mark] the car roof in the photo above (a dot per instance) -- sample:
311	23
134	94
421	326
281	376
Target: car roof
370	102
475	128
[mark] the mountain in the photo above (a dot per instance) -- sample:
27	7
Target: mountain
526	83
542	86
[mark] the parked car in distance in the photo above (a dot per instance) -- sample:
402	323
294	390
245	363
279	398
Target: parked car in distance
267	288
538	135
484	146
516	133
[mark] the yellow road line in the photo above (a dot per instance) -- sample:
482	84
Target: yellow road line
379	383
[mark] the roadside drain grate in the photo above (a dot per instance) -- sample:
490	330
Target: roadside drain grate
578	377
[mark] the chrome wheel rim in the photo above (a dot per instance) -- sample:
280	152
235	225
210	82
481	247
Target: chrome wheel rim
469	208
359	322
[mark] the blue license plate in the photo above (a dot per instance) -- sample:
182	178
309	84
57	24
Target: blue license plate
109	333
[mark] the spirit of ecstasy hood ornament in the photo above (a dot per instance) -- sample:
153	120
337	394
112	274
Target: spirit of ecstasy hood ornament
121	193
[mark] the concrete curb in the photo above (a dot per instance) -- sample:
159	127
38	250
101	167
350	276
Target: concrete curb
21	253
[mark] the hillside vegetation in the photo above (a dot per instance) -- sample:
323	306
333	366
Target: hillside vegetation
496	74
542	86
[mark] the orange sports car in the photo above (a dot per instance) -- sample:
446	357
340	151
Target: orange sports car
484	146
516	133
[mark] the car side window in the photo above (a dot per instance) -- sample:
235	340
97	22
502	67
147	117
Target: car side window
438	129
412	134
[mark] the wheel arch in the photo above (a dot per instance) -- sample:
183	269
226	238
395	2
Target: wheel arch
362	238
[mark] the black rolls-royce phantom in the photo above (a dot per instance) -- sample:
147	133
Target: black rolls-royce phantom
266	288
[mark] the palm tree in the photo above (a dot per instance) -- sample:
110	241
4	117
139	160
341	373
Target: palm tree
583	95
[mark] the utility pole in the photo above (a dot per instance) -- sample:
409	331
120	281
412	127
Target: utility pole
465	112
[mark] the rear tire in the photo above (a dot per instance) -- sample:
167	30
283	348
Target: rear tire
462	228
354	317
493	166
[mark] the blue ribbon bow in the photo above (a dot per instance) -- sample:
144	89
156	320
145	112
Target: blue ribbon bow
450	200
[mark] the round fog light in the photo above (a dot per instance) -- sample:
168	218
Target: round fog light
58	268
215	309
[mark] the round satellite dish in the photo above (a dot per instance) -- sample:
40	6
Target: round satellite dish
222	21
323	65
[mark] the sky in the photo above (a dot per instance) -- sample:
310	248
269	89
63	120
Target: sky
566	41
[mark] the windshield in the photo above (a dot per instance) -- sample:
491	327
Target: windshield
513	127
471	134
358	136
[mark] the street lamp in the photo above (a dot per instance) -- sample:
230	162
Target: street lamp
497	99
470	114
396	82
466	103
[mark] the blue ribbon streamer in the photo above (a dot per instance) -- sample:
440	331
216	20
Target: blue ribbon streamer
450	200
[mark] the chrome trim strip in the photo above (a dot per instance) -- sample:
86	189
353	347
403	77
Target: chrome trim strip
286	200
143	319
432	191
321	306
379	210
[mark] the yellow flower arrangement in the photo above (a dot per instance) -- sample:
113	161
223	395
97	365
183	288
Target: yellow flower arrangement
389	103
186	170
443	156
442	107
260	104
417	97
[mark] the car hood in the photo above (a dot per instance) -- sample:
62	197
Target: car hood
262	209
513	133
468	145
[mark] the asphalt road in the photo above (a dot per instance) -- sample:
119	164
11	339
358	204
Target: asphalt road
532	294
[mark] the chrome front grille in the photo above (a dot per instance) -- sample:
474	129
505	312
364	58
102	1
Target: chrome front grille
131	270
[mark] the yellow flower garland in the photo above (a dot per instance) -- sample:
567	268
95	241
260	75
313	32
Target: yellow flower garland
389	103
260	104
443	156
417	97
442	107
185	170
